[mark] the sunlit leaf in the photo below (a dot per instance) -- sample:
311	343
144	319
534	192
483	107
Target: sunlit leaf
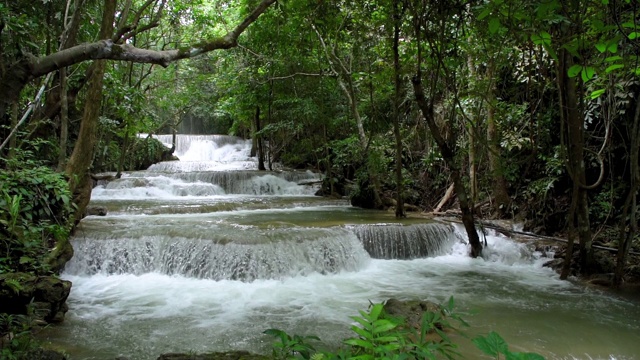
614	67
597	93
587	73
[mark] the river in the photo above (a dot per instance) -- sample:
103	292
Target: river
206	253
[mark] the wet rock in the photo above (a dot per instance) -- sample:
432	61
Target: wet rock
410	311
46	295
231	355
96	210
43	354
601	279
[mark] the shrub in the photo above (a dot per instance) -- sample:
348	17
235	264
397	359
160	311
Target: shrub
35	210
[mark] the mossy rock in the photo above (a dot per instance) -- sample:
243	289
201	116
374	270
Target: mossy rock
410	311
231	355
45	296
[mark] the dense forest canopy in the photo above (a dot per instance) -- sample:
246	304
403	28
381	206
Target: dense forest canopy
525	109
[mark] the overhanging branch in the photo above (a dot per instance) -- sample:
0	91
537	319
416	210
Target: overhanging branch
109	50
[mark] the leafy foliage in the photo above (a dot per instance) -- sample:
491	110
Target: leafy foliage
494	345
15	337
380	336
35	209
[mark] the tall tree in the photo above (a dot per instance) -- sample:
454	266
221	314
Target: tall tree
432	23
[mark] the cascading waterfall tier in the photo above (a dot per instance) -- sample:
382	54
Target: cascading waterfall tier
333	250
247	253
252	182
393	241
207	153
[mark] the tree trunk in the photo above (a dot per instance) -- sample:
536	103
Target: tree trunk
64	119
572	117
260	148
498	181
400	213
79	164
629	219
473	128
345	81
426	109
14	122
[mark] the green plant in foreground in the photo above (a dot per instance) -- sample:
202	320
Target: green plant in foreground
380	336
494	345
290	346
16	341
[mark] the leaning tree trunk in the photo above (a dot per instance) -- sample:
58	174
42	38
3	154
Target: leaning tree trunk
449	157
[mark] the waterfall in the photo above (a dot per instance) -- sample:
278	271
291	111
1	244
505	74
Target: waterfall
391	241
280	254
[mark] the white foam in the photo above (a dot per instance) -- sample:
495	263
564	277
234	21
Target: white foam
154	187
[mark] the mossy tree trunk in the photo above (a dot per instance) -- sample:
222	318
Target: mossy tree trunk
79	164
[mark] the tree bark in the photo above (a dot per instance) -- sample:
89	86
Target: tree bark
473	128
498	181
426	108
629	220
64	120
400	213
77	168
572	117
259	136
345	81
14	123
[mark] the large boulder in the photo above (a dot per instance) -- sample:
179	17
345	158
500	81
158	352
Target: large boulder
44	297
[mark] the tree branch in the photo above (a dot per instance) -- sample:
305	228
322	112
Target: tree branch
109	50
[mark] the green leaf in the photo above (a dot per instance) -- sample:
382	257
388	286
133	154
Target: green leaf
362	321
597	93
587	73
484	13
542	38
375	312
492	344
613	47
613	67
359	342
634	35
494	25
360	331
602	47
613	58
383	326
574	70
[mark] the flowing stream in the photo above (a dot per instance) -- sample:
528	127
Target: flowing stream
206	253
